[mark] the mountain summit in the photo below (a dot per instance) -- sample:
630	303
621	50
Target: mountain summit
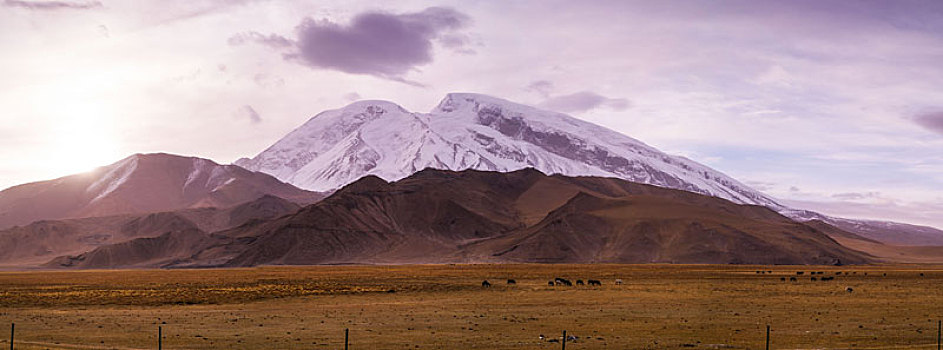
479	132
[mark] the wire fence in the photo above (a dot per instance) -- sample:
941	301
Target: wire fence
562	340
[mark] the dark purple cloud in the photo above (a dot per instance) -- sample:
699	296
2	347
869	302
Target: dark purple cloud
53	5
584	101
932	121
375	43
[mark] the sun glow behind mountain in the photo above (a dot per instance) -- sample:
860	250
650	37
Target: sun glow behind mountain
84	136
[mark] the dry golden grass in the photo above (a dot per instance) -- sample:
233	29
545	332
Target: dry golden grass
444	307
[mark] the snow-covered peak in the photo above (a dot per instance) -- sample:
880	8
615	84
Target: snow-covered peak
466	101
475	131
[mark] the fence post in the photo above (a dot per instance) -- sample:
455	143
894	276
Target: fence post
939	329
564	339
12	328
160	337
346	337
767	337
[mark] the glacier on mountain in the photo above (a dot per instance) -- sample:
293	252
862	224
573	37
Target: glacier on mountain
473	131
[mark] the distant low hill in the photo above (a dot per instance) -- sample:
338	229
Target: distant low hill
37	243
142	183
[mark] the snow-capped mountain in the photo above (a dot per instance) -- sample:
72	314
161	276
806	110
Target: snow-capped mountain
473	131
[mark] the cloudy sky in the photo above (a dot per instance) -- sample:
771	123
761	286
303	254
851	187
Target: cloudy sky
835	106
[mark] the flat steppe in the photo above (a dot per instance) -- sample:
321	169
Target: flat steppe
445	307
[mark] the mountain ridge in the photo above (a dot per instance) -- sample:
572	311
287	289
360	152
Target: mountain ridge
37	242
474	131
440	216
141	183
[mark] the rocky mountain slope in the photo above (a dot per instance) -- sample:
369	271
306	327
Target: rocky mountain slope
35	244
142	183
437	216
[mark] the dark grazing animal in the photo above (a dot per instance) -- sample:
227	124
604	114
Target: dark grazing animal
594	282
813	279
579	282
510	281
563	281
799	273
485	284
550	283
793	279
782	279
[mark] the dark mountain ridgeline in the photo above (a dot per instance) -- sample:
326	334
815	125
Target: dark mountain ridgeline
471	216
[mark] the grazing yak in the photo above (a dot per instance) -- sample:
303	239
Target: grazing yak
594	282
485	284
563	281
792	279
550	283
579	282
510	281
799	273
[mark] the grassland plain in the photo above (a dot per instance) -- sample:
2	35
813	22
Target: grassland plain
445	307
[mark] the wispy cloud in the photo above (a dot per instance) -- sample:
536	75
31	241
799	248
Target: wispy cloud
583	101
53	5
352	96
542	87
248	113
271	40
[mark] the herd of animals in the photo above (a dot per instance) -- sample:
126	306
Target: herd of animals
814	273
591	282
559	281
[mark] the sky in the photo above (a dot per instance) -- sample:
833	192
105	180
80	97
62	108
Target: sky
835	106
